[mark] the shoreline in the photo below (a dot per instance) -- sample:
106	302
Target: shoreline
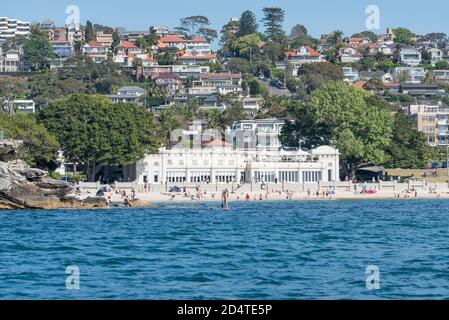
149	199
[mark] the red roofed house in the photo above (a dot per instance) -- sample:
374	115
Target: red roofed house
172	42
125	52
358	42
302	55
197	51
96	51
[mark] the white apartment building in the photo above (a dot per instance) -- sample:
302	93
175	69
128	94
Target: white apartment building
351	75
410	56
260	134
10	28
219	163
25	106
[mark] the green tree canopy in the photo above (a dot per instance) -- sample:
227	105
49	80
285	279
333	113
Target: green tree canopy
247	24
89	32
403	36
191	25
93	131
40	148
441	65
408	149
340	115
37	52
247	46
314	76
371	36
273	21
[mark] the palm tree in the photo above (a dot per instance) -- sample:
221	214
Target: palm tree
168	124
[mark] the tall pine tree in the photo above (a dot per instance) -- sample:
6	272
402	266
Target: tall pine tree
273	21
89	32
248	24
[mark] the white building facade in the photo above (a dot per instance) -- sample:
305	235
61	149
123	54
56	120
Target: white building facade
220	163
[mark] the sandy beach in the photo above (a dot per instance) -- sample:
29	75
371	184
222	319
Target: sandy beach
153	197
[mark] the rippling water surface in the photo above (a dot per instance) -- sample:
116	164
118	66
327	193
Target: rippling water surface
264	250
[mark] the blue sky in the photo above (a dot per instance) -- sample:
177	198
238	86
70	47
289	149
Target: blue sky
319	16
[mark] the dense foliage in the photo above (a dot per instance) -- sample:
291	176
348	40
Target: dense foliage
93	131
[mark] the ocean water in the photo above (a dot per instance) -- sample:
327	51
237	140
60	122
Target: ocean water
257	250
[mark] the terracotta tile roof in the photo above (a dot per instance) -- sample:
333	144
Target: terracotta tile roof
172	39
198	39
359	84
392	85
129	45
296	52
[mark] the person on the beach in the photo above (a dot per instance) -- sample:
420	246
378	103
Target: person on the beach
248	197
225	197
126	202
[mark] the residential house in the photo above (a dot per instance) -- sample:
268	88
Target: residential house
96	51
62	49
129	94
421	89
351	75
436	55
323	47
260	134
169	82
152	71
441	75
302	55
172	41
378	75
220	79
213	102
189	71
134	36
161	31
251	105
59	34
410	56
197	51
350	55
125	52
11	61
409	74
358	42
386	50
372	49
25	106
105	39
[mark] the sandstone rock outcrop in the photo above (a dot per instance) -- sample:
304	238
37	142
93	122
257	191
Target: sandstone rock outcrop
22	187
